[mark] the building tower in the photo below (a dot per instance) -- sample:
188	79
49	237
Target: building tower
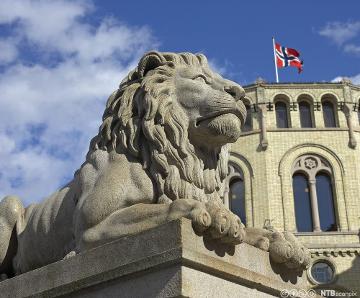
296	167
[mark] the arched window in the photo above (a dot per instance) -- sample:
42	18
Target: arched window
329	113
313	194
248	121
281	111
237	198
302	203
305	114
234	193
326	202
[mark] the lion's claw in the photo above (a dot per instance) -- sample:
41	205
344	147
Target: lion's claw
201	220
218	223
285	248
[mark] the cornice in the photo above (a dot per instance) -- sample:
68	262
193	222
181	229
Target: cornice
302	85
334	252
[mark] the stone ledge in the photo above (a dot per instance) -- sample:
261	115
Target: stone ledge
167	261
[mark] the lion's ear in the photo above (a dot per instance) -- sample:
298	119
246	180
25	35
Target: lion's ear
150	61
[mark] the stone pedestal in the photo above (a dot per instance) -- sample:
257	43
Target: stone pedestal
167	261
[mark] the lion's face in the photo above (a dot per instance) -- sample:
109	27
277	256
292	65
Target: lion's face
212	104
175	115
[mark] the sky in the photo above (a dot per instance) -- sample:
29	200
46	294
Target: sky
60	60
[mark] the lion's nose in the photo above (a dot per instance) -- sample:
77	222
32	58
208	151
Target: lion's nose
235	91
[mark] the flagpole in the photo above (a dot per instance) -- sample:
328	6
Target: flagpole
276	69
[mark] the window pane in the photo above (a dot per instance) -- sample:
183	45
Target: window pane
302	203
326	203
322	272
305	114
329	114
237	198
248	123
281	115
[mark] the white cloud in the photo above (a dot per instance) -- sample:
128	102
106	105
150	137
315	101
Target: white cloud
340	32
217	67
51	105
352	49
354	79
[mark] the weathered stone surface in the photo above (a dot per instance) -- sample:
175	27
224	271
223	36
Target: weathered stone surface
161	154
167	261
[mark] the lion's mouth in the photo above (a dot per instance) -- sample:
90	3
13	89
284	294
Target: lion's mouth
212	116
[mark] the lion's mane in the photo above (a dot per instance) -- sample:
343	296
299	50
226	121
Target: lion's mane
142	119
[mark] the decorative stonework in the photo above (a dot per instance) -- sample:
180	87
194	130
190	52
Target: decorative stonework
335	252
311	165
156	159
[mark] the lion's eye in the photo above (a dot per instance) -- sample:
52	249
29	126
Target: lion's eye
201	78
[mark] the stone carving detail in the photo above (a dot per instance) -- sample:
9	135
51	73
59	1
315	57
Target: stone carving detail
161	154
310	163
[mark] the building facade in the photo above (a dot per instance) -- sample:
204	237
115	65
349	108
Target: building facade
296	167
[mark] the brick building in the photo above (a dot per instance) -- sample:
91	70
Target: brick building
297	167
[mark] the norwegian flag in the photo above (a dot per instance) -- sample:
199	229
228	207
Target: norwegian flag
288	57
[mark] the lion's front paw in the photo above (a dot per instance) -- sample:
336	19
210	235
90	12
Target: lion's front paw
225	225
301	257
281	251
201	220
286	249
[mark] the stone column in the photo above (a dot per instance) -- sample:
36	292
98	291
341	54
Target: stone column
263	135
348	115
314	206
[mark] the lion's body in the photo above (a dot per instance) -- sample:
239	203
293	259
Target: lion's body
45	233
55	226
161	154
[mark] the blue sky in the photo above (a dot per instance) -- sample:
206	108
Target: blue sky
59	60
237	34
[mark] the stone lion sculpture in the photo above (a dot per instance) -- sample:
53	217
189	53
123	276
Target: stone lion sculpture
161	154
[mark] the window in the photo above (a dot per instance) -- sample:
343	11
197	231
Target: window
302	203
237	198
248	121
281	115
326	202
322	272
313	195
329	113
305	114
234	194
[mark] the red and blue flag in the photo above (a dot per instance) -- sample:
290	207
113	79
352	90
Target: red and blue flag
288	57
